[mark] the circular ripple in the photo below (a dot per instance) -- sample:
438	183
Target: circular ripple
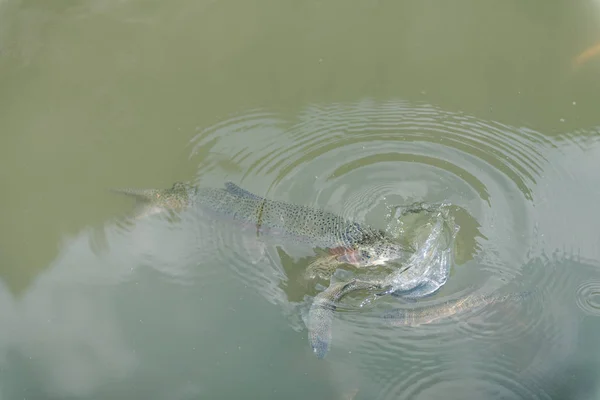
588	297
503	348
359	161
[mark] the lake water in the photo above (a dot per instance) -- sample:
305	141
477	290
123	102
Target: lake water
351	107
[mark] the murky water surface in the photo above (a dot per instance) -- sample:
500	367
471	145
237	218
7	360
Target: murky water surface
349	108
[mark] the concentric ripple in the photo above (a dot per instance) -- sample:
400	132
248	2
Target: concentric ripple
360	160
588	297
504	349
363	159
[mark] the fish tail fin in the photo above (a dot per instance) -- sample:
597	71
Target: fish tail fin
142	195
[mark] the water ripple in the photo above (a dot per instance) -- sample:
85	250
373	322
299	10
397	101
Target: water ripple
360	160
467	350
504	349
588	297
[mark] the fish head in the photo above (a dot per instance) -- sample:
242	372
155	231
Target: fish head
375	254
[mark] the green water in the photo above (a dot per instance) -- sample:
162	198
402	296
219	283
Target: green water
346	106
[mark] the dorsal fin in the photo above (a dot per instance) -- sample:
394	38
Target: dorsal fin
145	195
235	189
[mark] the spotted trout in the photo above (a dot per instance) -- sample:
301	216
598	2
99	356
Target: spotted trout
320	315
429	314
275	220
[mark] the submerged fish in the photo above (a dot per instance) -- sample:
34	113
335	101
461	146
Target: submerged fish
428	314
320	315
276	220
426	271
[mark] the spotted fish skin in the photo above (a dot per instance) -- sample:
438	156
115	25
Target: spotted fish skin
320	315
271	218
425	315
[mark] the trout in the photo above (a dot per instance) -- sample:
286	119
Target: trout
320	316
432	313
276	220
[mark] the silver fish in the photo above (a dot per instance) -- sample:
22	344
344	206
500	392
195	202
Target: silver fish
425	315
320	316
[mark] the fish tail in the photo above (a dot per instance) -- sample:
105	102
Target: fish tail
320	323
145	195
320	315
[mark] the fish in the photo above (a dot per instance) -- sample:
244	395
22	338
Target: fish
426	315
427	270
320	314
425	267
423	273
275	221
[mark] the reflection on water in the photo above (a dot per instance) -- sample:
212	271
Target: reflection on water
174	307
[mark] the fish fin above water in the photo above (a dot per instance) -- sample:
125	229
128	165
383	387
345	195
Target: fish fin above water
235	189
